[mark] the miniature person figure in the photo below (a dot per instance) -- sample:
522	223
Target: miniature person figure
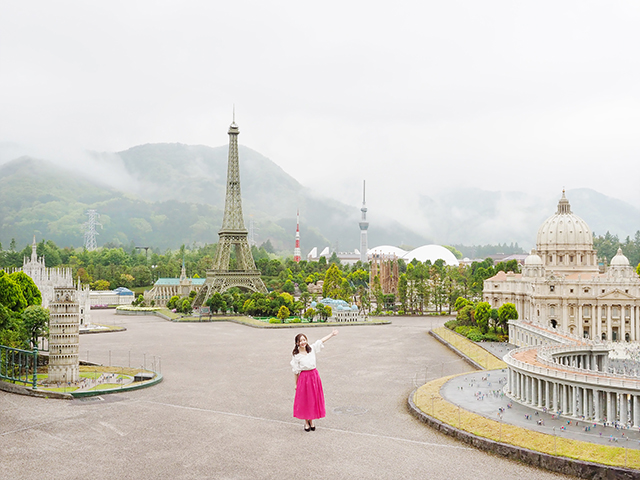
308	404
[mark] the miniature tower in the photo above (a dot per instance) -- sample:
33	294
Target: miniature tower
296	250
64	336
364	225
233	236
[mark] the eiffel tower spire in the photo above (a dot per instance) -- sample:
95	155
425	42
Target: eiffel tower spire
232	237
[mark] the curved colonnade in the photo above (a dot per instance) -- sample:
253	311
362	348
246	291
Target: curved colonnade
573	380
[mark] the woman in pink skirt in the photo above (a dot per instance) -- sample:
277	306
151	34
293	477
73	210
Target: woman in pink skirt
308	404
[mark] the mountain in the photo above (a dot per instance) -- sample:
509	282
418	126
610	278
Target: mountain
165	195
476	216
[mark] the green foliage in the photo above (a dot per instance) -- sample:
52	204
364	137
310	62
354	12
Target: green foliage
332	283
310	314
217	303
100	285
35	321
171	304
29	289
482	314
288	287
465	315
11	295
275	320
506	312
460	303
283	313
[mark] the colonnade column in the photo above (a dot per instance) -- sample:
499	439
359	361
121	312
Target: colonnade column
636	410
556	398
596	406
624	408
580	325
532	391
610	407
540	391
588	395
609	322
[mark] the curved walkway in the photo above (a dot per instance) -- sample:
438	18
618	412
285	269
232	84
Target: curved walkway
224	410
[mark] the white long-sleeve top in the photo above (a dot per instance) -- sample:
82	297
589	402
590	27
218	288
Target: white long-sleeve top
302	362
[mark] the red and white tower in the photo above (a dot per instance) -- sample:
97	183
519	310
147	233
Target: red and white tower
296	250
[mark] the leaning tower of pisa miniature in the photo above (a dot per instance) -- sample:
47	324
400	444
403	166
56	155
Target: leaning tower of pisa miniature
64	335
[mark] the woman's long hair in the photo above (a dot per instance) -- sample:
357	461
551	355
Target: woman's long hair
296	350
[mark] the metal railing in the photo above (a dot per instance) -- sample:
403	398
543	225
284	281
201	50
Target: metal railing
19	365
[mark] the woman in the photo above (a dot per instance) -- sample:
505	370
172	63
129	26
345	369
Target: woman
308	404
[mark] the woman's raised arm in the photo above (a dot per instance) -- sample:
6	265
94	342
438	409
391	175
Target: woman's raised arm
332	334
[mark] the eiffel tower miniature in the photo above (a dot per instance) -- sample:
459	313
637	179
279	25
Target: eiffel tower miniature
233	235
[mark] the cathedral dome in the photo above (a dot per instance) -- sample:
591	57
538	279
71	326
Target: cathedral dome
564	230
533	260
619	260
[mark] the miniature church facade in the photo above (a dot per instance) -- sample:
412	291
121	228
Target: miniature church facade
47	279
563	288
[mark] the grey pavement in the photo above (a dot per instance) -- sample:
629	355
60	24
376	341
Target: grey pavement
481	392
224	410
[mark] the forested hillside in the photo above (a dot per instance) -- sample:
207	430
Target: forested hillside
174	195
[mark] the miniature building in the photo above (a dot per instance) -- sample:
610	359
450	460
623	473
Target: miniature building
46	279
64	335
386	267
165	288
562	288
341	311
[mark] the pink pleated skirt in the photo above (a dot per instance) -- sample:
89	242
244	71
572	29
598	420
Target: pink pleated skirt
309	401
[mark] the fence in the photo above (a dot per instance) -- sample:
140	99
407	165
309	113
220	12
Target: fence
19	365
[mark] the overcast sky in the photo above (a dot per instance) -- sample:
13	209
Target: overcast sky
413	97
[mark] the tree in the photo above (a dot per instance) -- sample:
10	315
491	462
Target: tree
310	313
172	303
283	313
461	303
216	303
505	313
332	282
465	315
324	311
29	289
482	315
184	306
11	295
288	286
403	287
35	321
100	285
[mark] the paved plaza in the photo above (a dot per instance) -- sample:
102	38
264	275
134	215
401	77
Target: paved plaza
224	409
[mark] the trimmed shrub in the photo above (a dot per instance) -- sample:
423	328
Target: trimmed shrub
275	320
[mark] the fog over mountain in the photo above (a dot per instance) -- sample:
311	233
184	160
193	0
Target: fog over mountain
164	195
420	100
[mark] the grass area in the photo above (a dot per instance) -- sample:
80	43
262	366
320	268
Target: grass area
58	389
258	322
108	327
100	369
429	400
487	360
105	386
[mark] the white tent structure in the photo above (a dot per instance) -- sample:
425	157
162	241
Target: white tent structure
422	254
432	253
